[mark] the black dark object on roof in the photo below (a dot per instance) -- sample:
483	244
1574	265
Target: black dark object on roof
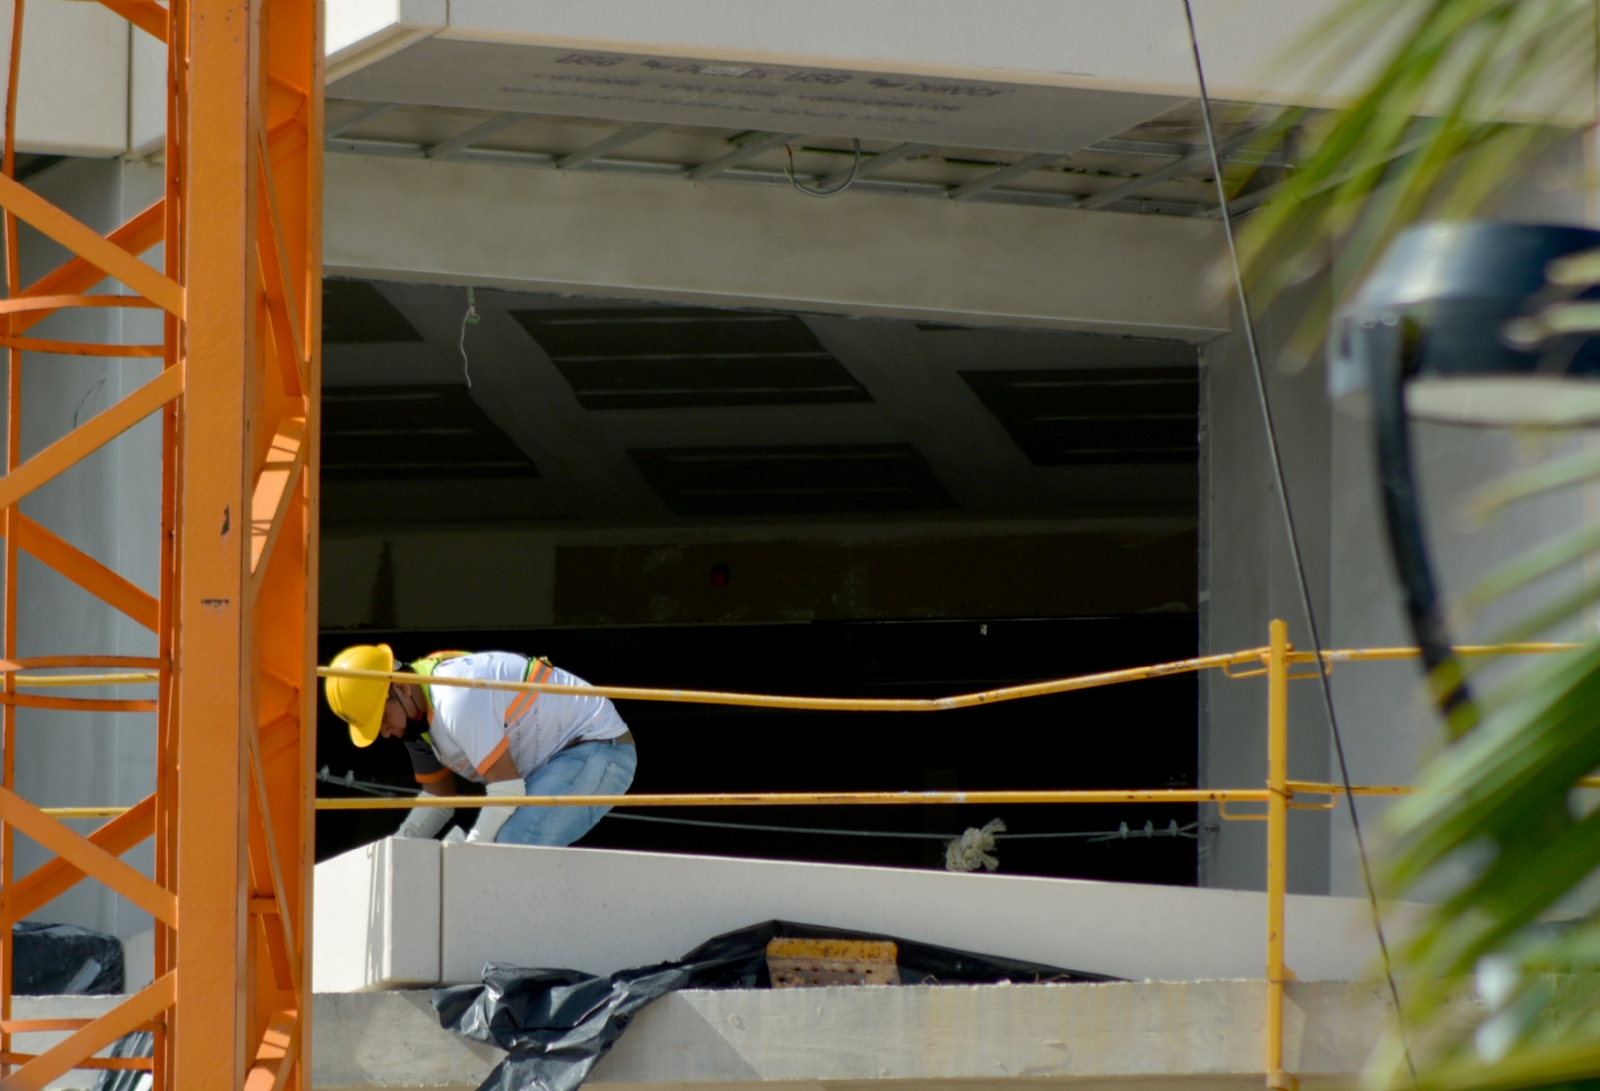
557	1024
64	960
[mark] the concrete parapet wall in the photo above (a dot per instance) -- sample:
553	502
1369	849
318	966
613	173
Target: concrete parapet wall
377	917
384	910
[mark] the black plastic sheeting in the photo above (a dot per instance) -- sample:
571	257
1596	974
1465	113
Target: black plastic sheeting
141	1043
64	960
557	1024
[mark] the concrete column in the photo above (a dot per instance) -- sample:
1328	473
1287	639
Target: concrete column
1248	577
1385	720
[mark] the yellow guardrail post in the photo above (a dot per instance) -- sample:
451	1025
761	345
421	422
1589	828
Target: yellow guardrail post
1277	848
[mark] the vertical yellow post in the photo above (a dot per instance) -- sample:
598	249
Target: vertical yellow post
1277	848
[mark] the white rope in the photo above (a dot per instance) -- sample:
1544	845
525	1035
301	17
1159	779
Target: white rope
974	849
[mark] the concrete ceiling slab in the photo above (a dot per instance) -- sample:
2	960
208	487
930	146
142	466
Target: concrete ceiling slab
761	96
918	443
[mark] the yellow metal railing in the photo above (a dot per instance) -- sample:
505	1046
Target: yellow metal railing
1276	662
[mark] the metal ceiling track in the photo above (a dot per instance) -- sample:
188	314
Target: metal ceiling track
238	287
1124	196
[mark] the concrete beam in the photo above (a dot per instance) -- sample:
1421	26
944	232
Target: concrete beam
860	254
1166	1034
1137	47
357	33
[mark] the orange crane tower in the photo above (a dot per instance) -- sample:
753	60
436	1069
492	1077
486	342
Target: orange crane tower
238	280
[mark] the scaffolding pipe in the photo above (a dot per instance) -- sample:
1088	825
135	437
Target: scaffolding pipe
1278	797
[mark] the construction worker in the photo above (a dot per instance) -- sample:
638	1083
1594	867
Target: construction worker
513	742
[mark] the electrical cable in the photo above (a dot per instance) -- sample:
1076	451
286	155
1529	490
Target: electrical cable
1293	533
470	317
1172	829
1123	833
810	192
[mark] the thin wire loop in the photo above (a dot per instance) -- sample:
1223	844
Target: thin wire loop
817	192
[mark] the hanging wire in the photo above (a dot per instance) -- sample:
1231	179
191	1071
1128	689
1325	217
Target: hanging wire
470	317
1123	833
809	191
1289	526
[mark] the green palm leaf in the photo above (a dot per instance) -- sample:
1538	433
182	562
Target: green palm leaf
1470	92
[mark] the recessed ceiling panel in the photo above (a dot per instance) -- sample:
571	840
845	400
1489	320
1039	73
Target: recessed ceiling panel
356	313
835	479
681	357
1099	416
390	433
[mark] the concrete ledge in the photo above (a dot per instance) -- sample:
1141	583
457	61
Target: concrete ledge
391	1039
1142	1033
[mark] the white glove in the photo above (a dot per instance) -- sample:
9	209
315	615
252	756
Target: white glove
455	836
425	822
490	819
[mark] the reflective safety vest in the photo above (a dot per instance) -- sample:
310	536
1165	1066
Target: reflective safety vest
537	671
425	667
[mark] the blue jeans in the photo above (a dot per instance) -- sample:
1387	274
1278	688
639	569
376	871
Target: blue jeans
586	769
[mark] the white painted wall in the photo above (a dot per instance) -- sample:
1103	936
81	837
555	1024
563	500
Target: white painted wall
109	506
74	85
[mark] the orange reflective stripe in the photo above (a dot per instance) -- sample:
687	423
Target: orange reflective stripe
519	705
494	755
539	672
429	778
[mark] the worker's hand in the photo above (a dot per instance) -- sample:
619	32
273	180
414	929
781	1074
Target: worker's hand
455	836
490	819
425	822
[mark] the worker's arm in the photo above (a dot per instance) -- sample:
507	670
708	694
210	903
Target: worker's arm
504	780
444	784
426	822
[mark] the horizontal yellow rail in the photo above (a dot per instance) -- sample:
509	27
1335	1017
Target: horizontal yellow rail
849	704
846	704
65	680
824	799
938	704
809	799
825	704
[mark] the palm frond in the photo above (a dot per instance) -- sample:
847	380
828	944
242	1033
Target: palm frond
1559	473
1428	136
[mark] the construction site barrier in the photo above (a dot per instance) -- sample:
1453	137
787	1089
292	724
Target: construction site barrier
1275	662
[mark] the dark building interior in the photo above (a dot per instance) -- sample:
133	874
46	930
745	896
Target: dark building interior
660	495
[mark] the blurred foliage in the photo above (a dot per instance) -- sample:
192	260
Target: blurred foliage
1462	95
1459	97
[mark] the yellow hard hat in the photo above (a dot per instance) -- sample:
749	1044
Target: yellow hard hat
359	701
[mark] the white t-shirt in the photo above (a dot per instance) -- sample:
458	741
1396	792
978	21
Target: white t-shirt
470	728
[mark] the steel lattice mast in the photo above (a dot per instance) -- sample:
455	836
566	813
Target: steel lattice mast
240	288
